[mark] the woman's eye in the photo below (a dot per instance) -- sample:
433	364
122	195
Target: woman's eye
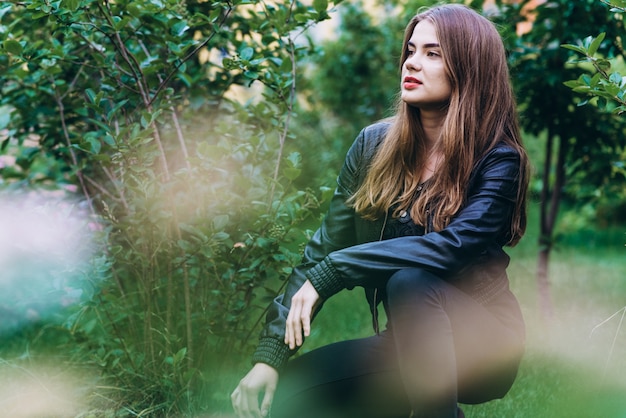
433	54
410	52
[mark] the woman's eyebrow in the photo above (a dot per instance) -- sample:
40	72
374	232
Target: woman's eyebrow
425	46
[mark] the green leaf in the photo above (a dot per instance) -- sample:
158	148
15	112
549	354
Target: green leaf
291	173
115	108
13	47
179	28
221	236
5	116
611	89
246	53
576	48
572	83
71	4
320	5
295	159
595	80
220	222
109	140
603	65
251	75
616	78
301	17
180	355
133	9
595	44
95	144
91	95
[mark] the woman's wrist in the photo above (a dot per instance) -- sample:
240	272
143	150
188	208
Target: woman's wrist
271	351
325	279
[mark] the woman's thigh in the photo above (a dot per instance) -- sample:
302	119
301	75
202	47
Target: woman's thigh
485	343
356	378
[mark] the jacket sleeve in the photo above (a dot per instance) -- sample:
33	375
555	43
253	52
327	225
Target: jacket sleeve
336	232
482	222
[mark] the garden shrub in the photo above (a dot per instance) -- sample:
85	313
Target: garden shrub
199	226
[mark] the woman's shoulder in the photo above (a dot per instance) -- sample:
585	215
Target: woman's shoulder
377	130
502	161
501	151
372	136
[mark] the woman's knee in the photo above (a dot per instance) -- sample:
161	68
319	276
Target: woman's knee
412	283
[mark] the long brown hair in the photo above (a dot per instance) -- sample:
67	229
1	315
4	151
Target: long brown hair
481	113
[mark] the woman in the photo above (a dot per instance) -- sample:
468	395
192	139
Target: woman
424	204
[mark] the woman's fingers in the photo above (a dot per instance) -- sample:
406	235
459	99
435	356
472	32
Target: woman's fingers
304	321
305	316
267	399
242	405
261	379
298	323
293	327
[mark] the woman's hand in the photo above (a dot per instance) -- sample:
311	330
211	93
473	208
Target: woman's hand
303	304
245	398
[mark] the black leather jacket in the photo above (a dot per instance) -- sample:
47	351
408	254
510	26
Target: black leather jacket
348	251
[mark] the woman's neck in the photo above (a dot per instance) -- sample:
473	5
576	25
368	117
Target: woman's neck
432	124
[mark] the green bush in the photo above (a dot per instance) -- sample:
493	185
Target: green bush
198	227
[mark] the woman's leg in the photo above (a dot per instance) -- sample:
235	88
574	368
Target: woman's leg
444	347
356	378
449	347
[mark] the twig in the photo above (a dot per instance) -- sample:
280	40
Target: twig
66	135
283	135
619	326
608	3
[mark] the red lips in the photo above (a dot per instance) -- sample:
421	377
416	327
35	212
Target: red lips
411	83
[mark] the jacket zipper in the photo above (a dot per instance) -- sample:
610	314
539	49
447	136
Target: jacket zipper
380	238
375	313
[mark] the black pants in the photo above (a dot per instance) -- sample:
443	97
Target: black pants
441	347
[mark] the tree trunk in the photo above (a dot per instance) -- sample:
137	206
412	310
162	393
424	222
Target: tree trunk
543	283
549	208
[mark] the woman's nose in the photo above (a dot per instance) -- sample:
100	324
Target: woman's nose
412	63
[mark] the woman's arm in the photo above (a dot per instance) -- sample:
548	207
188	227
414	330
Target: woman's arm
483	221
336	232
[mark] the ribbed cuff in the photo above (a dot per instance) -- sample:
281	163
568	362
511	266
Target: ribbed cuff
272	352
325	279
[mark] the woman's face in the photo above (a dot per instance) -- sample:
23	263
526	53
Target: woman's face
425	83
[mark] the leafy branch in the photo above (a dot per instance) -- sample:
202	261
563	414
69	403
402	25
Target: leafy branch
605	84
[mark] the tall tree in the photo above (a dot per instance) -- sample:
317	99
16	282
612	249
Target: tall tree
577	137
607	84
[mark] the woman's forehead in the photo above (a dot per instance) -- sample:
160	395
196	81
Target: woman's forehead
424	33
